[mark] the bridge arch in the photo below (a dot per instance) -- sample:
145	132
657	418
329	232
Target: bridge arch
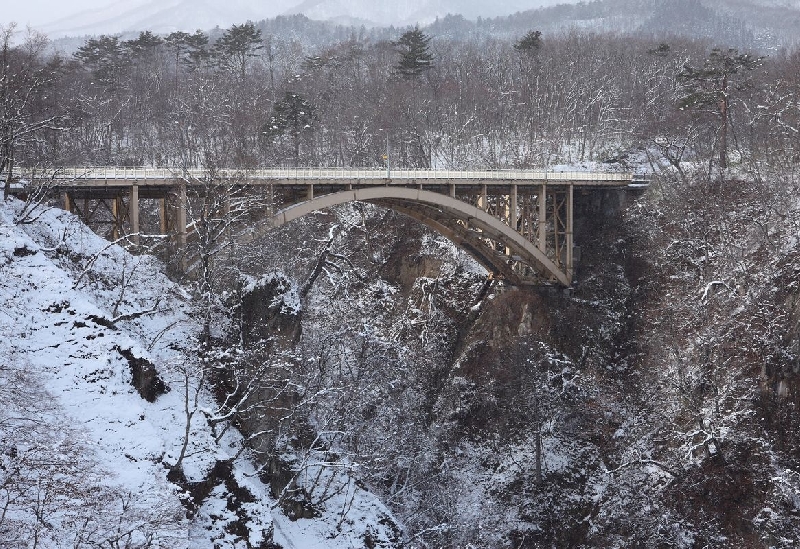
442	214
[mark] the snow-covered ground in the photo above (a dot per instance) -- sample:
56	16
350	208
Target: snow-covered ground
84	457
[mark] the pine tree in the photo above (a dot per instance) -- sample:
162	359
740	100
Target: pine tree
415	55
106	57
712	85
189	49
146	44
531	42
237	44
294	114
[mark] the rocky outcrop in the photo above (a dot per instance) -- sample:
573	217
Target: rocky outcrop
144	377
270	311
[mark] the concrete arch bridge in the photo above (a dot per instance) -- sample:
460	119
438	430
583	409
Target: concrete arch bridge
518	224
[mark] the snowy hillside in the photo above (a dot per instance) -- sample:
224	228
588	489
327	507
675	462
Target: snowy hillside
98	380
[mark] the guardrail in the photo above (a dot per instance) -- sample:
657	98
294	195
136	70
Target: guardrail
139	174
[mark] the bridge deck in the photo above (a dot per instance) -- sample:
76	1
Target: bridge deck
94	176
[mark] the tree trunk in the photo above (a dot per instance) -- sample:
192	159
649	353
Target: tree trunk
538	420
723	136
8	167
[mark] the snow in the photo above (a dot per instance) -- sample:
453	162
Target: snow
65	295
60	339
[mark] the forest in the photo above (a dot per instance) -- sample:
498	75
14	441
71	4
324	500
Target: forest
654	404
248	99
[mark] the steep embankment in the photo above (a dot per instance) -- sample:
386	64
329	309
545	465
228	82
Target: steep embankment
84	452
104	405
717	374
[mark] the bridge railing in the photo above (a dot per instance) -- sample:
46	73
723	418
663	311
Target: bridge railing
299	174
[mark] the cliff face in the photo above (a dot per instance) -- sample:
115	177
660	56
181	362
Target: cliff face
715	327
654	403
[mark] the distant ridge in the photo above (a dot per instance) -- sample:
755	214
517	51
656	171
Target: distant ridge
765	25
164	16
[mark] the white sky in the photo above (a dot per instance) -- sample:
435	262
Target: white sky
42	12
39	12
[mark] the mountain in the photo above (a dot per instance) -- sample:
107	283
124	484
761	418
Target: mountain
410	12
164	16
763	25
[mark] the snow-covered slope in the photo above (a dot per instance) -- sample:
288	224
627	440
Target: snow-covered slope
61	337
97	374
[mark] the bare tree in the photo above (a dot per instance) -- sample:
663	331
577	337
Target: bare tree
26	76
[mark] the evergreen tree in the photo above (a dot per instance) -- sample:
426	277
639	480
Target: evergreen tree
237	44
106	57
189	49
531	42
712	85
294	114
415	55
145	45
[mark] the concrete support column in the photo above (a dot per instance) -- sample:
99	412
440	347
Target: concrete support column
483	203
181	217
569	231
115	213
311	191
512	208
543	218
133	213
68	205
452	190
162	215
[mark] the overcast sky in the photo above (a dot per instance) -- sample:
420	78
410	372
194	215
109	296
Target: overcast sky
39	12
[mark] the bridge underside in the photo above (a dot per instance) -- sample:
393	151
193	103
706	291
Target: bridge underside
501	249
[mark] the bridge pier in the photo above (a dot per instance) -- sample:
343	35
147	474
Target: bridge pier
116	217
181	217
133	213
542	244
67	201
162	215
512	208
569	231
